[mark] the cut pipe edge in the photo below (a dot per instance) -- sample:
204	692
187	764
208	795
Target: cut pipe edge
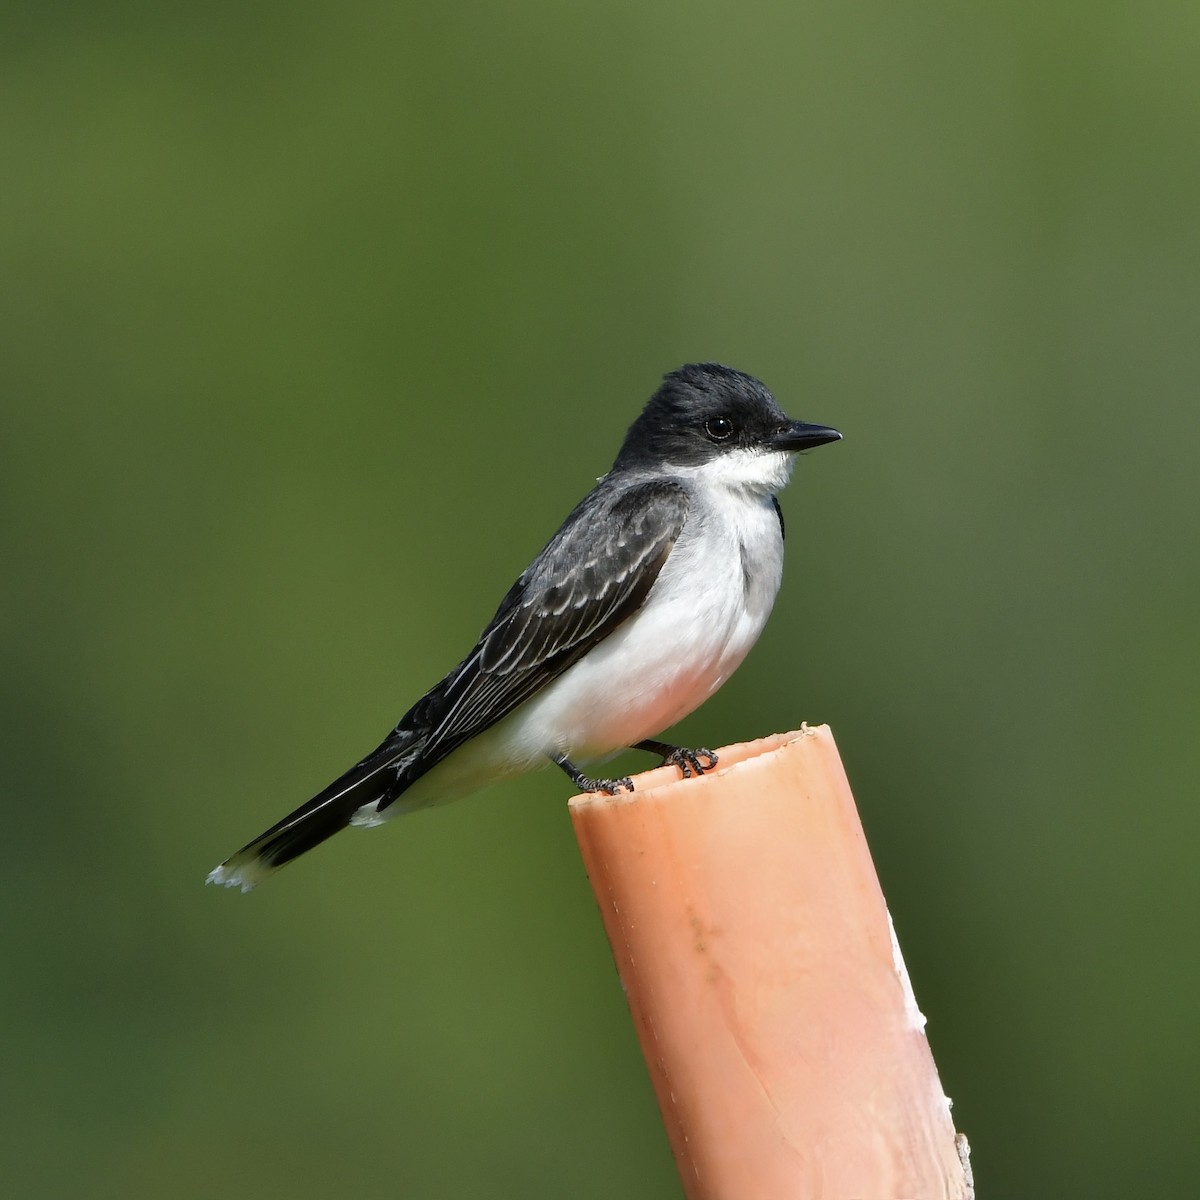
766	983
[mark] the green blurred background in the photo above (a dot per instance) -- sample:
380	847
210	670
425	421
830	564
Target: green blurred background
317	319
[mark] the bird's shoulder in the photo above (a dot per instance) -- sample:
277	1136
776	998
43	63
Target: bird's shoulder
613	525
598	567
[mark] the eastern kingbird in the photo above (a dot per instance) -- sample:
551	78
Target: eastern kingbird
635	612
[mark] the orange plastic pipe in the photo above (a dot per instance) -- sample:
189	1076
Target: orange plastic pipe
766	985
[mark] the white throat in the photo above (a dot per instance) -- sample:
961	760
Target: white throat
760	472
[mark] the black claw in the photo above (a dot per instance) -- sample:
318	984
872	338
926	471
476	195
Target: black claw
611	787
585	783
689	762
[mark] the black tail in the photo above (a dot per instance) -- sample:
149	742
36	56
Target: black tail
375	780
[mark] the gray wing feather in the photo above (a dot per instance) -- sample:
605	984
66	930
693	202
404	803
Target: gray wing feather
594	574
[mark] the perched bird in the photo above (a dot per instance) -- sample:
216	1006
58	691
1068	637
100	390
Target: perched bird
635	612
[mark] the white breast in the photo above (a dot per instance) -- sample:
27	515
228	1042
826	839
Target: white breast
705	611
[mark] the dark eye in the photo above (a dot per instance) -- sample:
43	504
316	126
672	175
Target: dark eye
718	428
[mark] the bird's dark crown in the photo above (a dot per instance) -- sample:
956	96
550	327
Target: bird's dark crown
700	411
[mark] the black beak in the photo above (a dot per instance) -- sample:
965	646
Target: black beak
798	435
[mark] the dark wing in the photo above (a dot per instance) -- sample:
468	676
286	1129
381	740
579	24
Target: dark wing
594	574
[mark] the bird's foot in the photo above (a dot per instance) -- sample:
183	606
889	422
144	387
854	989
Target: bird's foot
585	783
689	762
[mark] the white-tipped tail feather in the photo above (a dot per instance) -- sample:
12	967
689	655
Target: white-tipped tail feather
246	874
353	798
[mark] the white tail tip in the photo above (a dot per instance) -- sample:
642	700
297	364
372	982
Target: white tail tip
244	875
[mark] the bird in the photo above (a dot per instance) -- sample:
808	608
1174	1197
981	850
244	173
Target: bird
633	614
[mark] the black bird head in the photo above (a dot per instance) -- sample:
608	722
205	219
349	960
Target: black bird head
706	411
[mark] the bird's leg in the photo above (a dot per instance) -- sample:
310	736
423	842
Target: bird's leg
690	762
585	783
